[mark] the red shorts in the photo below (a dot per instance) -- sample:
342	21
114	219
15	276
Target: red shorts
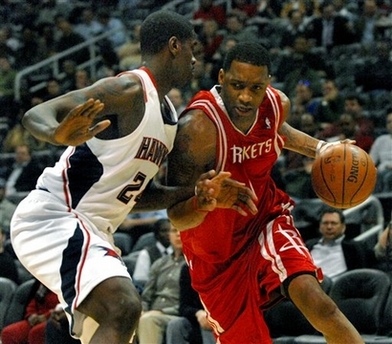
236	293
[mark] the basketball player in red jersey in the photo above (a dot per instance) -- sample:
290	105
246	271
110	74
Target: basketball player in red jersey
241	265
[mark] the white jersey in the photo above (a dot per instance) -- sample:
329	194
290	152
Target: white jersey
60	231
102	179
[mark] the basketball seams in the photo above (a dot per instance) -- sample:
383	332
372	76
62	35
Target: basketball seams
342	177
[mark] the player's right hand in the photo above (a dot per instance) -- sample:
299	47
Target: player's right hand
77	127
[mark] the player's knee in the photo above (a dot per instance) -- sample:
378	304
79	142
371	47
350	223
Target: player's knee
126	310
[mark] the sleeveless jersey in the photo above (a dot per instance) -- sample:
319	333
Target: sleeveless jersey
102	179
250	158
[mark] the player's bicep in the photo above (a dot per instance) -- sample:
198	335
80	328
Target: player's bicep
194	149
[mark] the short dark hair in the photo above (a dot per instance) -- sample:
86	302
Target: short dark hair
247	52
331	210
357	97
159	26
157	226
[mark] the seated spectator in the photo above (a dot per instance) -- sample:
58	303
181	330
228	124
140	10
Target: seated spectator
32	328
304	99
380	69
177	98
355	105
236	25
329	29
295	28
160	297
22	175
333	252
298	182
8	267
7	79
383	250
207	10
381	154
331	104
192	326
88	27
210	38
57	329
348	129
7	209
129	53
150	254
108	23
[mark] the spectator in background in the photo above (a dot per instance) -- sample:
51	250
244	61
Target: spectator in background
376	74
160	297
381	153
304	100
108	23
176	97
301	65
298	182
237	27
333	252
57	329
365	25
192	325
32	328
331	105
354	105
7	209
88	27
207	10
22	175
383	250
53	89
210	38
27	53
129	53
246	6
8	267
295	27
7	80
348	129
68	39
150	254
329	29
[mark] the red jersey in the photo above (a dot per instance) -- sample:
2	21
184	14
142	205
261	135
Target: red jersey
237	263
250	158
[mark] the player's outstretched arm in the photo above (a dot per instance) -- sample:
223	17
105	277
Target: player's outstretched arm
73	118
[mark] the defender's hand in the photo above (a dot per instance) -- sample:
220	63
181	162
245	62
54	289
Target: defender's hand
219	191
76	128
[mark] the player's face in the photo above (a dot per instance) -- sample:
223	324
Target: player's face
243	89
185	63
331	227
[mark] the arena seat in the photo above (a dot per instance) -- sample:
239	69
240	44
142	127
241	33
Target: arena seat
361	295
7	290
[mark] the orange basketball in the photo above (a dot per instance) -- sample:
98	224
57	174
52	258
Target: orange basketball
343	175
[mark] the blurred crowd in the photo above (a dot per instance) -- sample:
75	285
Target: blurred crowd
333	58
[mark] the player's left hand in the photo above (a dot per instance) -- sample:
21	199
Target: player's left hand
218	190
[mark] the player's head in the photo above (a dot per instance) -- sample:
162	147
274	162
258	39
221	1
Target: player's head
159	27
332	224
244	79
247	52
169	39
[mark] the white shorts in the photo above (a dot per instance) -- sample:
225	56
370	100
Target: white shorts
65	252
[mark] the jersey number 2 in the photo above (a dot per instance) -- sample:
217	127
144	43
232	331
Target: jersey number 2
126	194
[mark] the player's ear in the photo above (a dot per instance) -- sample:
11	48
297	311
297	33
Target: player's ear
174	45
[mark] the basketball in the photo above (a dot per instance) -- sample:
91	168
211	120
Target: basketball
343	175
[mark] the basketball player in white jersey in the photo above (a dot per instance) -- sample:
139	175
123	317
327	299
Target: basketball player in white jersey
118	132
